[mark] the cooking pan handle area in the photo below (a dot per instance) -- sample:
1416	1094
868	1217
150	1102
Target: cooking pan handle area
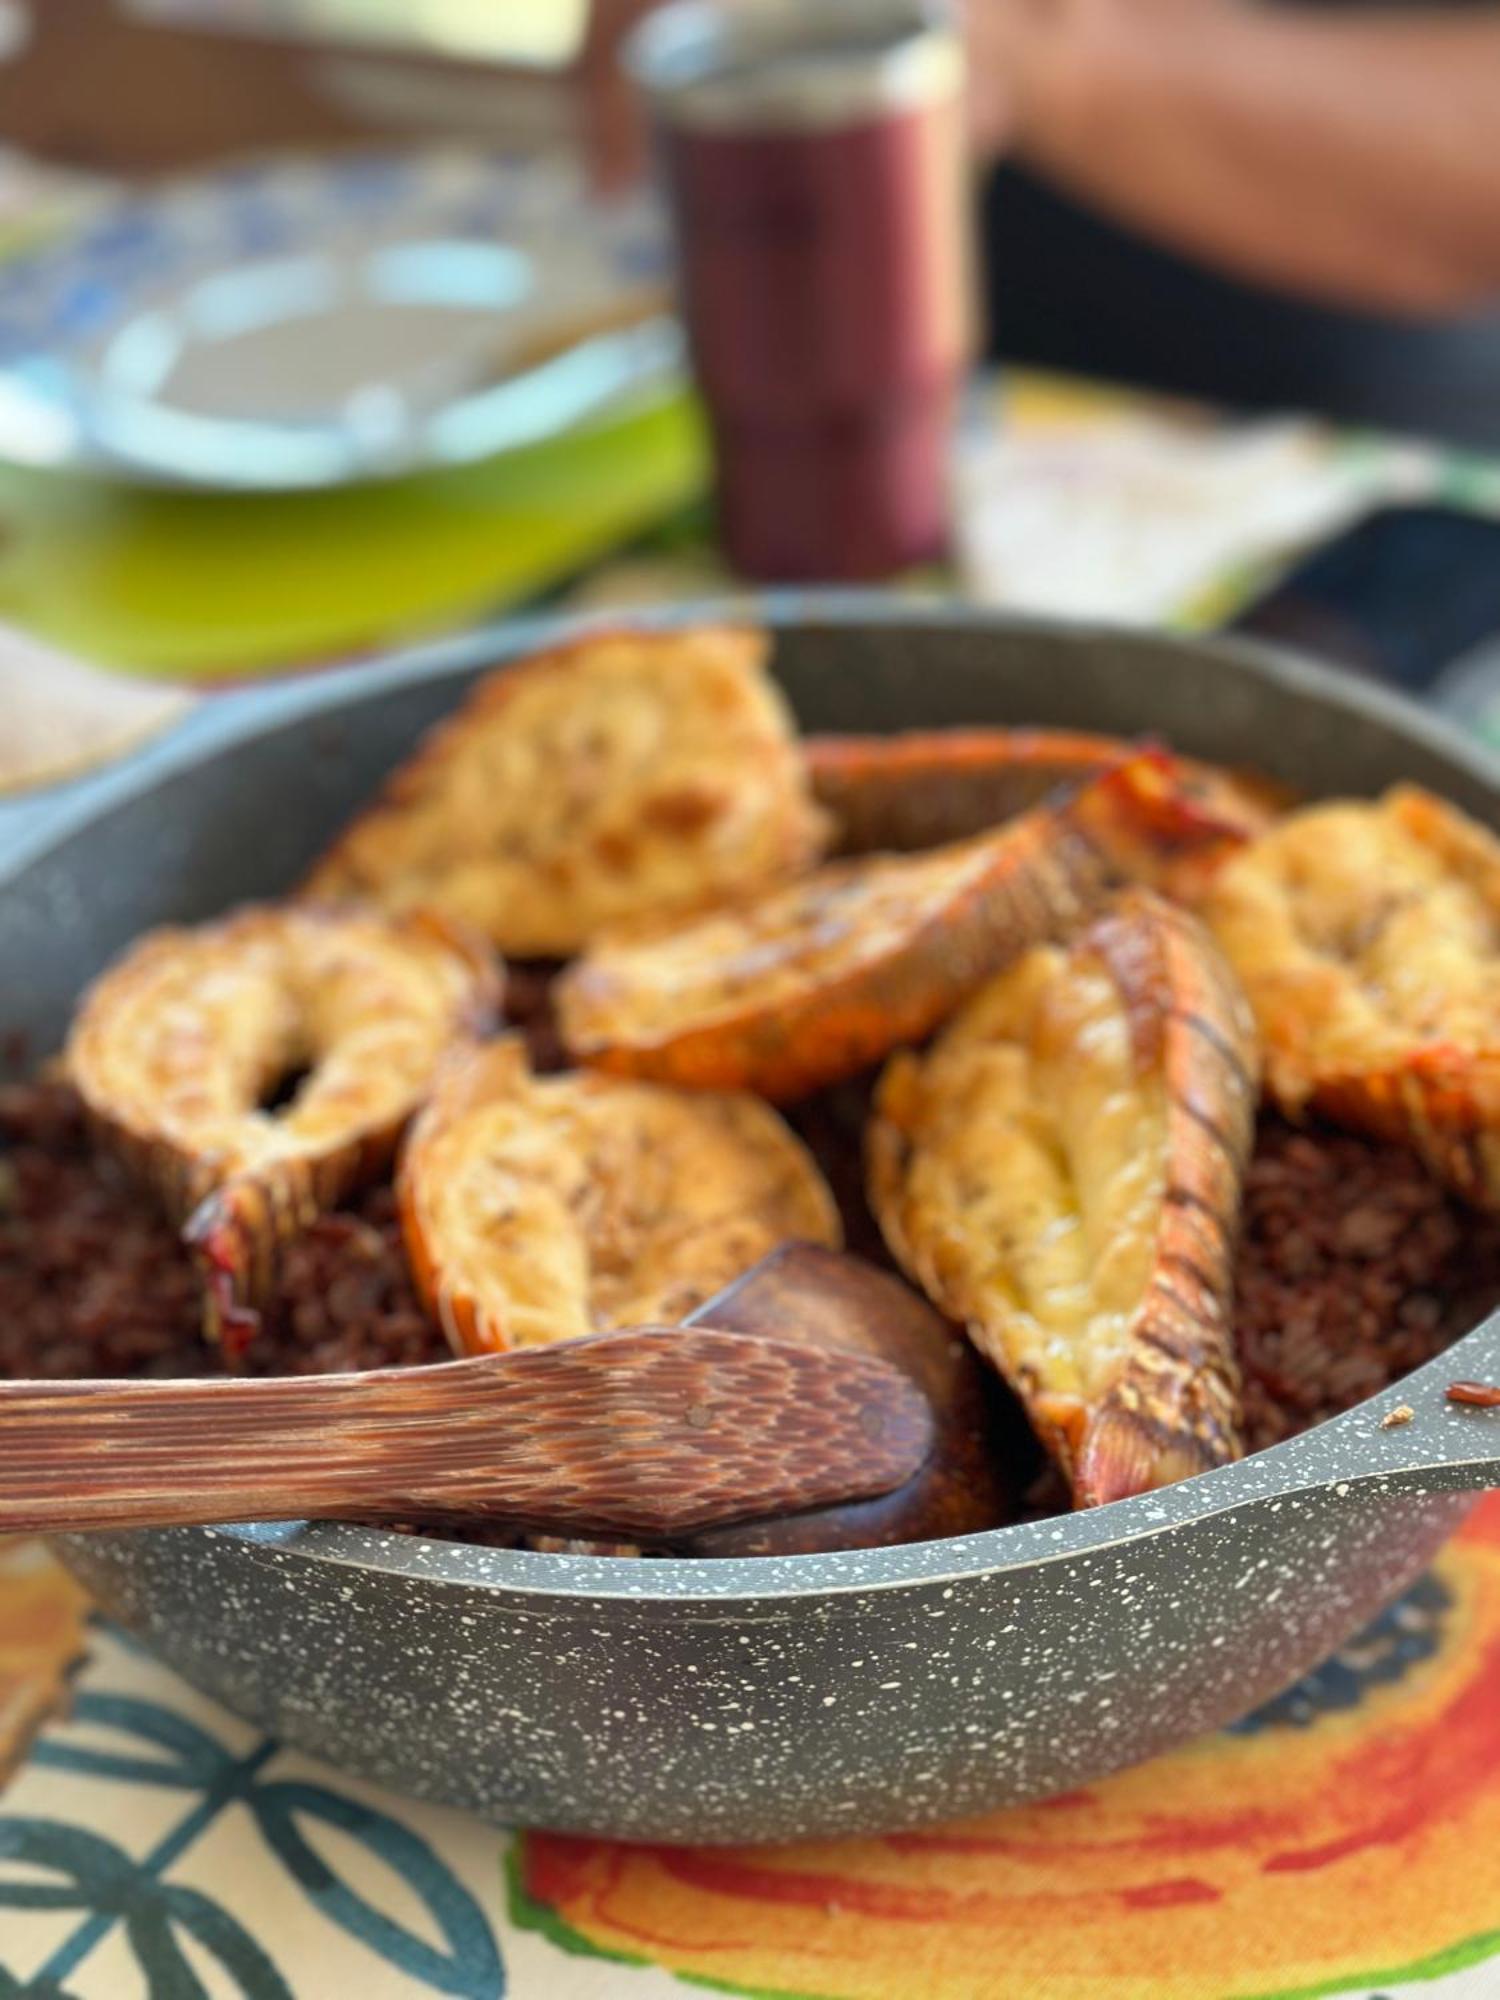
1442	1446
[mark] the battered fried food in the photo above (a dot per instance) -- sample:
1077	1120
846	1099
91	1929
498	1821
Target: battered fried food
1061	1173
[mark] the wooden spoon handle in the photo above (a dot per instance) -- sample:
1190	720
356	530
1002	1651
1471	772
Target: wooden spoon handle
646	1433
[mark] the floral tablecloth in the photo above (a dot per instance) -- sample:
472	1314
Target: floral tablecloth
1345	1841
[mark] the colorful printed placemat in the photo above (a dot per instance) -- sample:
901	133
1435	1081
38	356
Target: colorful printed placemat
1090	502
1344	1841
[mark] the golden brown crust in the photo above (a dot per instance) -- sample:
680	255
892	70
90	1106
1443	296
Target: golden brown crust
177	1046
535	1209
817	981
1367	936
1061	1172
626	775
922	788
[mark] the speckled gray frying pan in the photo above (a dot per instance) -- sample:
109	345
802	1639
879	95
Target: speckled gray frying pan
763	1699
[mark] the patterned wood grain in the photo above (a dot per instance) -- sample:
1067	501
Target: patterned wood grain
650	1433
841	1304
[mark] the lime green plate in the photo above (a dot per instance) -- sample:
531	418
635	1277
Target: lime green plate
209	586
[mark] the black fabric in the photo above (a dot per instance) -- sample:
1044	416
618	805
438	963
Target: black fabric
1067	290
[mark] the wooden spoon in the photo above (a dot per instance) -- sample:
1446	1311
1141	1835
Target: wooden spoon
651	1432
835	1303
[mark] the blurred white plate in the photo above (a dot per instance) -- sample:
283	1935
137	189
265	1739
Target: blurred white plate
309	322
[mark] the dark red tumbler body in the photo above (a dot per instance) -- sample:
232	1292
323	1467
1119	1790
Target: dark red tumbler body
819	193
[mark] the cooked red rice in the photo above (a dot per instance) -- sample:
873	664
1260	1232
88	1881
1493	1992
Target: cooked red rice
1353	1268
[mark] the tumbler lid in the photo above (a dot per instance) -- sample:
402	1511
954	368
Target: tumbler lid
794	65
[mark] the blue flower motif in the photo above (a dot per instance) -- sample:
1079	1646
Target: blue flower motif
97	1876
195	1760
34	1989
470	1966
107	1887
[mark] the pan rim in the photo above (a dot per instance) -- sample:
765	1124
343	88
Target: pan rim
1317	1460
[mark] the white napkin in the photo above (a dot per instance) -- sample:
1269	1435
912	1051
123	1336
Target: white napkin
1134	518
60	716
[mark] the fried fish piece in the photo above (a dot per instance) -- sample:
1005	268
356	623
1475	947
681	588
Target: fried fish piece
814	982
1367	936
1061	1173
537	1208
180	1047
923	787
625	775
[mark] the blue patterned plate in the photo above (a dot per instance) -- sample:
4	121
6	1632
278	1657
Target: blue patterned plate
309	322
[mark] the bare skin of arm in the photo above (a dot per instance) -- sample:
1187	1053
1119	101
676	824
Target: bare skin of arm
1350	158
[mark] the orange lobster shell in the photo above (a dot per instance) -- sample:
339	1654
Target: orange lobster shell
622	776
924	787
178	1045
1061	1172
537	1209
816	981
1367	935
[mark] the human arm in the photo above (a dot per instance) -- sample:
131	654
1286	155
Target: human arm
1349	157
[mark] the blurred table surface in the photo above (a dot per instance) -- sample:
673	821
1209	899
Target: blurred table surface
1345	1841
118	609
